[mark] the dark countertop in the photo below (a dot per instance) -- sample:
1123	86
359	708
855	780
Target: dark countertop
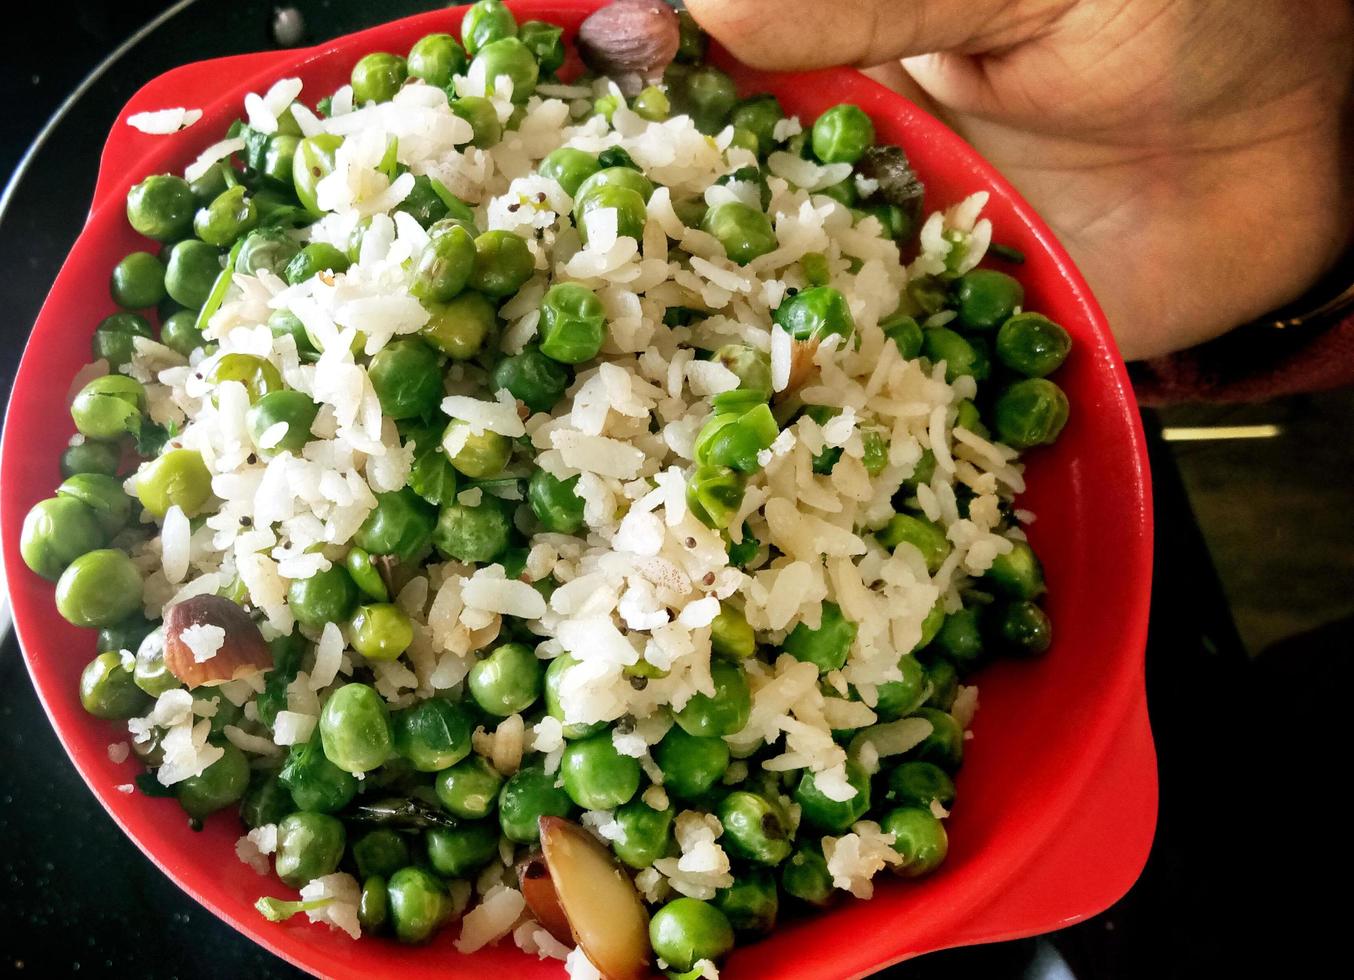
1249	824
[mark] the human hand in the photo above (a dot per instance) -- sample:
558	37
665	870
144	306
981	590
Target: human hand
1193	155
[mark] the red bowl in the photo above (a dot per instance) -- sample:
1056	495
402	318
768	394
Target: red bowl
1058	795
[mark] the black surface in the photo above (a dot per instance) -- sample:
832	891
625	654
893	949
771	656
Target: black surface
1247	822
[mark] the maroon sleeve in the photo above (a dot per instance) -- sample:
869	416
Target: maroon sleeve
1252	363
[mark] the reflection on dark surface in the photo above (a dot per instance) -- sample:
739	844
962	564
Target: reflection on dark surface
1249	817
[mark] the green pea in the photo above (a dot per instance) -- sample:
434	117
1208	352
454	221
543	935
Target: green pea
265	801
286	323
714	494
905	333
107	689
258	375
707	95
483	119
692	765
844	192
596	776
433	734
834	816
418	904
1032	344
744	231
56	532
377	77
373	907
985	298
114	338
309	846
628	205
507	681
279	160
692	41
362	569
152	675
827	646
216	179
645	834
177	478
554	676
325	597
528	795
920	784
555	502
228	217
735	440
723	714
380	852
355	728
109	407
945	745
960	638
445	265
460	327
931	625
477	455
312	162
546	44
313	259
928	538
919	837
731	636
436	58
754	828
216	787
138	281
943	679
407	376
126	635
1022	628
316	784
91	456
401	525
161	207
687	930
842	134
266	248
923	471
816	314
753	368
759	115
1018	573
179	333
622	175
968	417
1030	413
99	588
900	698
486	22
751	903
805	876
961	356
652	103
572	324
569	167
191	272
509	57
104	497
460	852
286	406
534	379
469	789
380	630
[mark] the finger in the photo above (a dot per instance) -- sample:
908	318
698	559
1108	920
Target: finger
798	34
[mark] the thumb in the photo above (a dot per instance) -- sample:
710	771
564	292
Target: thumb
799	34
